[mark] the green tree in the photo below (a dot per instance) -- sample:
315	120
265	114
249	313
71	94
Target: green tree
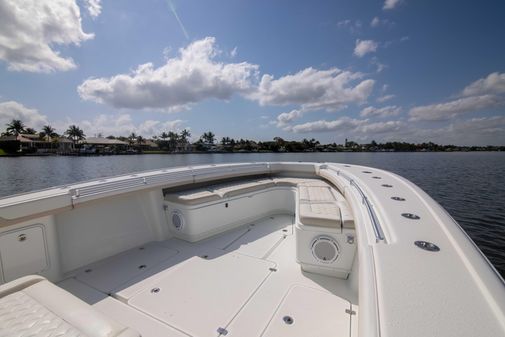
49	132
75	133
15	127
209	137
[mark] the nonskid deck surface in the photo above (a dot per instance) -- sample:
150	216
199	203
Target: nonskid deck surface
245	282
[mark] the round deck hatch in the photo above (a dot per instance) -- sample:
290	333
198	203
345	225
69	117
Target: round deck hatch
325	249
177	220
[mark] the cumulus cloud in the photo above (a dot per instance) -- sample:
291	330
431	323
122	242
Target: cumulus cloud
31	30
194	75
379	127
391	110
451	109
350	126
94	7
121	125
494	83
343	123
13	110
287	117
313	89
364	47
485	93
473	131
390	4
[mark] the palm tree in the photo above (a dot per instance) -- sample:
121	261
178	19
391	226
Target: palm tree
173	137
209	137
30	131
140	140
132	138
15	127
49	132
75	133
185	134
164	135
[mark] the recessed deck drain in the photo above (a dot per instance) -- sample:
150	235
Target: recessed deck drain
431	247
411	216
387	185
398	198
375	177
288	320
368	172
142	266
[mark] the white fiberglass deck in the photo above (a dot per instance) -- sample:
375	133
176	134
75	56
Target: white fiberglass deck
245	282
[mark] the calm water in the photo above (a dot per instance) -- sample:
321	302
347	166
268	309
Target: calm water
470	186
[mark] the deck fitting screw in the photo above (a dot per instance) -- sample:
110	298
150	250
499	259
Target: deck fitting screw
88	270
431	247
155	290
411	216
398	198
368	172
142	266
387	185
288	320
141	248
375	177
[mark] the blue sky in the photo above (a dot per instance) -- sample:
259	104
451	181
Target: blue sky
384	70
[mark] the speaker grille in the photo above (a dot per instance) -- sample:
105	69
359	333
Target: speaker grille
325	249
177	220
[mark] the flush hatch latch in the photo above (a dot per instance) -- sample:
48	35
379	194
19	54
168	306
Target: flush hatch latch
222	331
350	312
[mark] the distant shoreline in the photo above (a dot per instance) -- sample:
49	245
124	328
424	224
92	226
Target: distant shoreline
13	155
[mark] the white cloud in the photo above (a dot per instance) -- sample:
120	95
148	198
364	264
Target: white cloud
343	123
286	117
385	98
313	89
353	26
379	127
494	83
376	22
13	110
391	110
192	76
390	4
32	29
348	126
364	47
233	52
121	125
94	7
474	131
451	109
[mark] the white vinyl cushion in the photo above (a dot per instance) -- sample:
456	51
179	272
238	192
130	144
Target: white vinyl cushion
320	214
21	315
33	306
241	187
192	197
316	193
